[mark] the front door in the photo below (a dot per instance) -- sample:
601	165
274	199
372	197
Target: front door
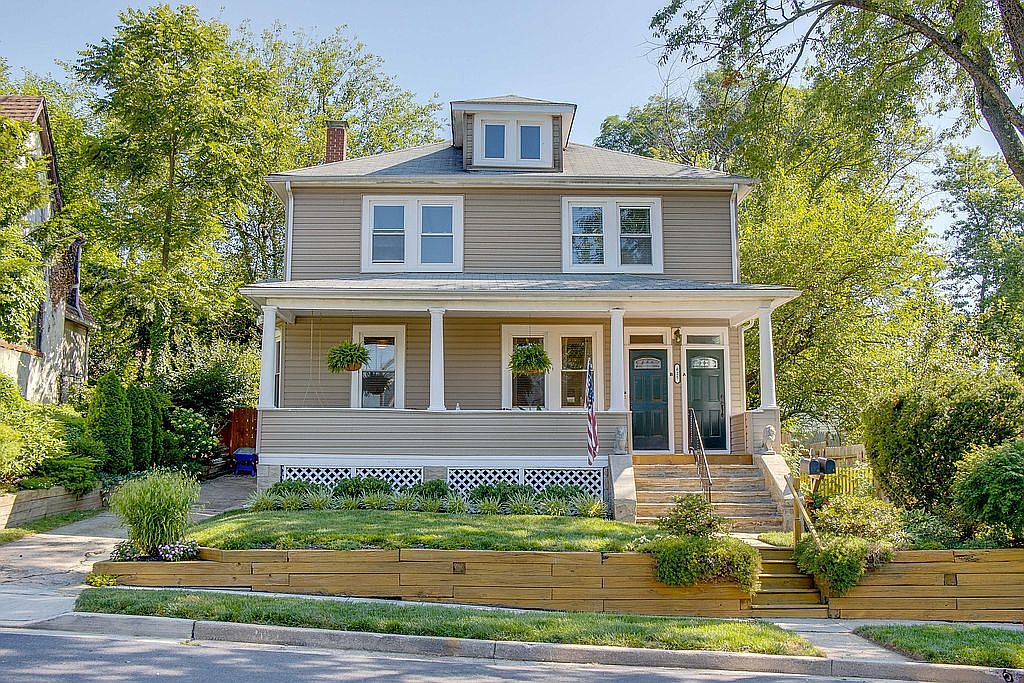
705	391
648	398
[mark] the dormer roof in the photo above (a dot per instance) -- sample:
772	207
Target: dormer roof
511	103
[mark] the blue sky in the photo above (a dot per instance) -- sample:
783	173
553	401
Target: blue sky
594	54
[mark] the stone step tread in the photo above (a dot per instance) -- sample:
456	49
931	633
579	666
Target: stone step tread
717	496
768	508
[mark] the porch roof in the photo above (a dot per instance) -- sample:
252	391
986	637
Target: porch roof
557	293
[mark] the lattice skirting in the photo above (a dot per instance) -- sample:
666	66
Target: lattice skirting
590	479
399	477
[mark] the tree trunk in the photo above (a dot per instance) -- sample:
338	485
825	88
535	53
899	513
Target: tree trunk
1006	134
1013	26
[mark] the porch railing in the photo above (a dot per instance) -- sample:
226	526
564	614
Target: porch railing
700	457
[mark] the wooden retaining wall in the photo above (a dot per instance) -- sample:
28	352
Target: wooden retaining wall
27	506
585	581
954	585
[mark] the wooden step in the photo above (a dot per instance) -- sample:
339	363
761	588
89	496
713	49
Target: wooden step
787	596
786	581
779	567
789	611
775	553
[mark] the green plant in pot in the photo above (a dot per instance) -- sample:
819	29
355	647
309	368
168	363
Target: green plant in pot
347	357
529	359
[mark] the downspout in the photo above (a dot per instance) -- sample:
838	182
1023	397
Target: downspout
734	231
289	217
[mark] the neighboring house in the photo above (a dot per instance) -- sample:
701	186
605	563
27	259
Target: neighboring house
57	359
442	258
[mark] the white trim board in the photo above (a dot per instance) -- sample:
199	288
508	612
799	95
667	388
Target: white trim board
359	332
482	461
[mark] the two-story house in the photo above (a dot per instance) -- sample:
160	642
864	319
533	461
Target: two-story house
57	358
443	258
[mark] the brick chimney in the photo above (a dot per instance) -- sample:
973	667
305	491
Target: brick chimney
337	141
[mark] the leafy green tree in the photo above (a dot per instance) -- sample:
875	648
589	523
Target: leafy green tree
142	427
834	215
987	251
915	55
157	419
109	421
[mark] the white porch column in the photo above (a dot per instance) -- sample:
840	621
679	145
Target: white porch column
436	359
617	383
268	357
764	333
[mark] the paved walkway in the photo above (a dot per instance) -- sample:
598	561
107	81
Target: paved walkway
41	575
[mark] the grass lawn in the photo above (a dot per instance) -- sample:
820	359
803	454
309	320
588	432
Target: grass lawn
952	644
454	622
350	529
44	524
783	539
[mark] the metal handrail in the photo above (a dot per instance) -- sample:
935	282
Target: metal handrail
800	513
700	458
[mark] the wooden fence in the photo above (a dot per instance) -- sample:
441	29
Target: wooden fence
240	431
843	455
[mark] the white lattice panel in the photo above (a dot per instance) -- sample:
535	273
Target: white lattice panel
400	478
590	480
463	480
327	476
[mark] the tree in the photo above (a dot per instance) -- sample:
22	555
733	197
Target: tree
156	412
834	216
142	427
963	56
987	251
109	421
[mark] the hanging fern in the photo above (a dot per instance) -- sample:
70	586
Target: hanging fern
347	356
529	359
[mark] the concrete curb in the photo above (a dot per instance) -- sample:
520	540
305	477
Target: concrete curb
187	629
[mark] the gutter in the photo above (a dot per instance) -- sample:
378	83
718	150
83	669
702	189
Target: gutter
289	219
536	180
734	233
786	293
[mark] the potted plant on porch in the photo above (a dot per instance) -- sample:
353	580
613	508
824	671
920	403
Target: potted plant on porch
529	359
347	357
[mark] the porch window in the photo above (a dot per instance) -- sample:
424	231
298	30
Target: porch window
576	351
528	391
608	235
410	234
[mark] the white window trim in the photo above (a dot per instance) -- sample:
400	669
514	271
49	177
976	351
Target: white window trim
512	148
359	333
552	336
666	345
685	388
412	204
612	254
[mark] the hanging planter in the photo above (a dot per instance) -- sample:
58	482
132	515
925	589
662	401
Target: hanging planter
347	357
529	359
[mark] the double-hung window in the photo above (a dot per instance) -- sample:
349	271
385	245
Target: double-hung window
513	141
601	235
569	347
403	233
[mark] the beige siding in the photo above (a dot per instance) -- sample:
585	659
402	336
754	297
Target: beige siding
457	434
508	231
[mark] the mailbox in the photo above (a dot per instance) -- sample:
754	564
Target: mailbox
813	467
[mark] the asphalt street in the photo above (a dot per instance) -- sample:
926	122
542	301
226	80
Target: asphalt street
27	656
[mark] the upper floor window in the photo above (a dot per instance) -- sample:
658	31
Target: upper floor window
602	234
512	141
404	233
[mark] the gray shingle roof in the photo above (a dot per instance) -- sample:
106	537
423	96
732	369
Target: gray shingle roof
509	283
443	159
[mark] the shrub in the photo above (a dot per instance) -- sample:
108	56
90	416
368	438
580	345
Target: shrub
923	530
521	503
556	507
76	473
688	560
406	501
500	491
193	443
319	500
213	380
869	518
491	505
109	421
916	436
293	501
989	488
430	504
347	502
262	501
434	488
692	515
375	500
357	486
31	433
456	505
100	580
562	492
155	507
142	427
587	505
842	560
157	418
299	486
182	549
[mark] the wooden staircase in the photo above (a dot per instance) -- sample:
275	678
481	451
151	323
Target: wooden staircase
785	592
738	489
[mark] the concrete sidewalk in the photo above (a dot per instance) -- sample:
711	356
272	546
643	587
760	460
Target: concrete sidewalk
41	575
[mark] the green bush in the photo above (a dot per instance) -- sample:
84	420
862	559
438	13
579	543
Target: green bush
10	395
193	443
213	380
299	486
916	436
688	560
110	422
142	427
490	505
75	472
31	433
842	560
456	505
431	504
924	530
155	508
989	489
435	488
357	486
561	492
692	515
868	518
501	492
522	503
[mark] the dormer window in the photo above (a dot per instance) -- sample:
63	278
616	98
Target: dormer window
513	141
611	235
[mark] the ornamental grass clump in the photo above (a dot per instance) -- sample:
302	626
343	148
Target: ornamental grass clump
319	500
490	505
261	501
406	501
376	501
587	505
456	505
555	507
155	508
293	501
521	503
347	502
430	504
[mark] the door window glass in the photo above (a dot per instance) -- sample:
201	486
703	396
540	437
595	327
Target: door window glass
576	351
378	376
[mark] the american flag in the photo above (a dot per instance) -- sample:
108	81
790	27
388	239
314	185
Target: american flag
593	445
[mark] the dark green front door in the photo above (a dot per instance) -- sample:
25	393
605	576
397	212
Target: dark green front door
705	391
648	399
